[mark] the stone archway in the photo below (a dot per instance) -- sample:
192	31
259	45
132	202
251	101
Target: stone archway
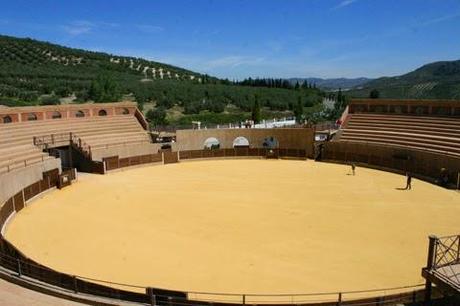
211	143
271	143
241	142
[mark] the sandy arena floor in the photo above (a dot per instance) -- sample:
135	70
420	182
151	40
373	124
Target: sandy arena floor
247	226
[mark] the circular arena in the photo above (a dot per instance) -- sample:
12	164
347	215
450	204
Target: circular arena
226	215
239	226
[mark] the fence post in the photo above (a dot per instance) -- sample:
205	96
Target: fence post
75	284
339	299
458	249
151	296
19	267
458	181
431	249
429	265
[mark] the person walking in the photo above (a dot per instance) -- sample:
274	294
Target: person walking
353	168
408	181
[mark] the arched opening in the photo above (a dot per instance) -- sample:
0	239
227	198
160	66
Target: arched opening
241	142
211	143
79	114
7	119
56	115
125	111
31	117
166	147
102	112
270	143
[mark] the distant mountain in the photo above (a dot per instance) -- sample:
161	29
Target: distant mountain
333	84
438	80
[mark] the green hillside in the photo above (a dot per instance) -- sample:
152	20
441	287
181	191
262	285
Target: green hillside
29	68
439	80
34	72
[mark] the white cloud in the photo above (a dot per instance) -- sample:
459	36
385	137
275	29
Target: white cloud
79	27
439	19
232	62
343	4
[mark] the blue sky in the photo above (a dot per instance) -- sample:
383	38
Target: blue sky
242	38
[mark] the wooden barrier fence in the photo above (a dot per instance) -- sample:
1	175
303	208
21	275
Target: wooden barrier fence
426	165
17	263
168	157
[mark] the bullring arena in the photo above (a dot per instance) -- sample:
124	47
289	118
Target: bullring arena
240	216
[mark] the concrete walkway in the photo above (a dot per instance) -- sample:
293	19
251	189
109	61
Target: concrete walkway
14	295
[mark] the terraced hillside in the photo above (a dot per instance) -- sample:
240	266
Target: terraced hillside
439	80
29	68
34	72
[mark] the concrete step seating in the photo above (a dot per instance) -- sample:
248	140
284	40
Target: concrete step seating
81	131
14	165
61	129
60	122
9	153
442	146
437	134
404	144
58	128
439	124
83	128
128	137
448	141
19	157
406	118
414	129
23	157
16	139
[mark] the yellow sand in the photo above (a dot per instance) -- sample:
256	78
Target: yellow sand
252	226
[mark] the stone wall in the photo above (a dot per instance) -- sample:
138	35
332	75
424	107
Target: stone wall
14	181
287	138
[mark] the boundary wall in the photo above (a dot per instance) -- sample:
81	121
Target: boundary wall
426	165
286	138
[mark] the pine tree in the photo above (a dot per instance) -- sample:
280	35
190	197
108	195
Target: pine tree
374	94
255	116
298	110
339	96
305	84
104	89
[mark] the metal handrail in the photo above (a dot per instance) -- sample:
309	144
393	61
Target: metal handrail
227	297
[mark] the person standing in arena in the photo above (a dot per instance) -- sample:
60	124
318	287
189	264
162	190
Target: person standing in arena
408	181
353	168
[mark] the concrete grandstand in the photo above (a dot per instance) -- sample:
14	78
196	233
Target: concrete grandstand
40	148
